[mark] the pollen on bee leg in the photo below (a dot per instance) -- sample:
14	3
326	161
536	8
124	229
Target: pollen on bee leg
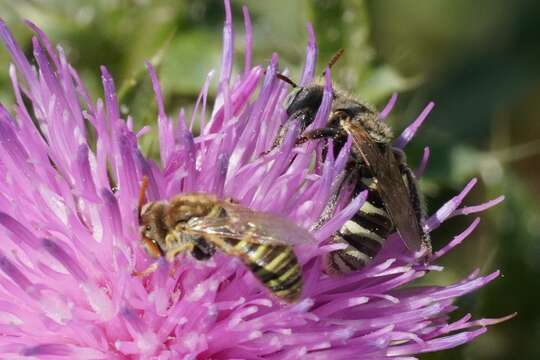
171	254
170	240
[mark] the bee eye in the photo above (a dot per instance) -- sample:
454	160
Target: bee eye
152	247
290	98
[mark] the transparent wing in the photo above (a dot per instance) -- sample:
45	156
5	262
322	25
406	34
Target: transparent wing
239	222
391	186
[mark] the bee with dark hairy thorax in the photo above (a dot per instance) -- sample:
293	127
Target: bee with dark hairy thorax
200	224
394	202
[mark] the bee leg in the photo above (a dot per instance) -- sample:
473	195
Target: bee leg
415	195
282	131
284	128
171	254
342	180
278	140
316	134
149	270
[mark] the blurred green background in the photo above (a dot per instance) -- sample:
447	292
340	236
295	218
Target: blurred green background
478	60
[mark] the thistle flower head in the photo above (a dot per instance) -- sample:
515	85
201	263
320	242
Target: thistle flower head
70	238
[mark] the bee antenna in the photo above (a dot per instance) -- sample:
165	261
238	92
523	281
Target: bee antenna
334	59
287	80
142	193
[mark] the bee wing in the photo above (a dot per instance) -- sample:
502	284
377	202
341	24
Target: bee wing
392	189
263	242
261	227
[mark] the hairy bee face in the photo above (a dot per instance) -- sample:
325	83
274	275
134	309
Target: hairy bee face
165	226
152	228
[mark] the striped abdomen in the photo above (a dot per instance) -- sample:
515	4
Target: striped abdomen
365	232
274	264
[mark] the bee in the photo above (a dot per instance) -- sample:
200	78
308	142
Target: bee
201	224
394	201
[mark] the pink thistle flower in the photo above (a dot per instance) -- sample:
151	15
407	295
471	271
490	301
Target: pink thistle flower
70	240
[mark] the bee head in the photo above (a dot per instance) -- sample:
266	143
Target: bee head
152	228
166	227
305	99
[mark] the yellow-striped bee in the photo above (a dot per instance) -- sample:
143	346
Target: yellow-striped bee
394	202
200	224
